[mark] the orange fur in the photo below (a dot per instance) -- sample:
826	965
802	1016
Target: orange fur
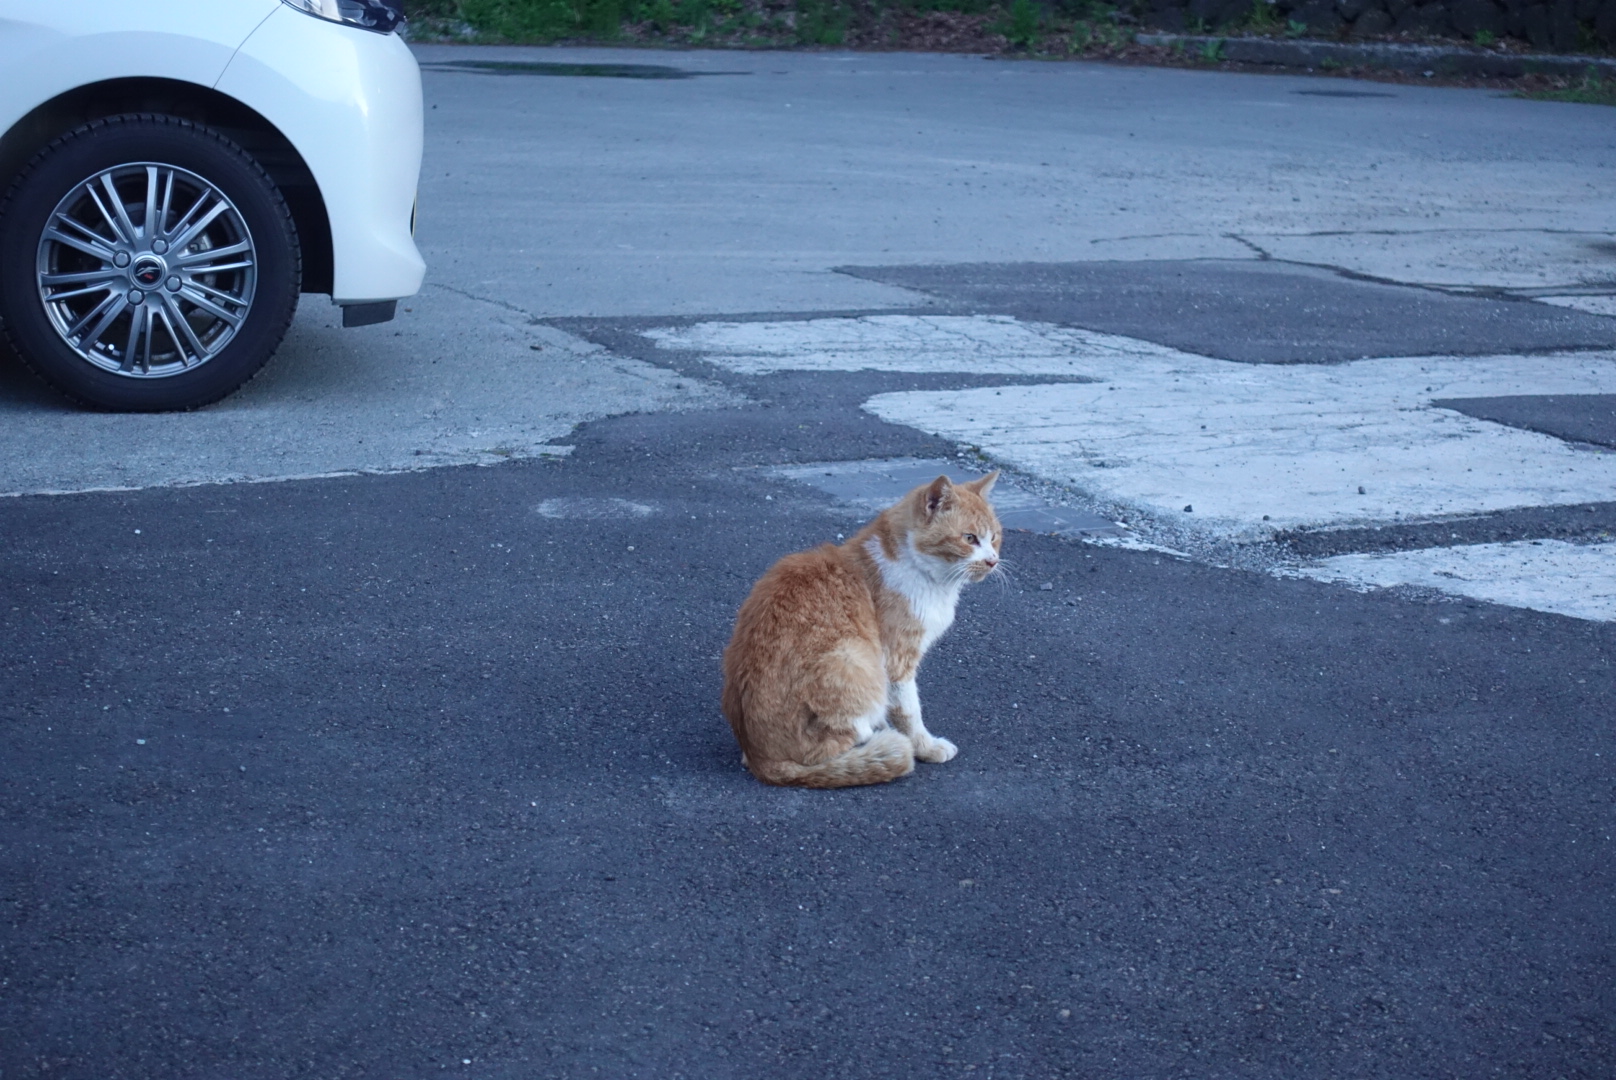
819	674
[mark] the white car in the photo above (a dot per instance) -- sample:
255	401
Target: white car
173	174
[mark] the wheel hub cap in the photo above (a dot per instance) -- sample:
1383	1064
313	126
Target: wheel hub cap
148	271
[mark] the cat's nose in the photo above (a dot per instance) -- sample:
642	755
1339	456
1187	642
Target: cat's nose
990	563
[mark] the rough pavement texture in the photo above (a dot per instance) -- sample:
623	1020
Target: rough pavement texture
1587	418
1254	311
452	381
600	197
472	798
472	807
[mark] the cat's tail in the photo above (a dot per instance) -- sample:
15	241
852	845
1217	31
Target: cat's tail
886	756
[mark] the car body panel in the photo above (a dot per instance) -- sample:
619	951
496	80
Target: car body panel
347	99
48	49
350	101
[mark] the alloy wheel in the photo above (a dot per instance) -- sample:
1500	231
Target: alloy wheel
146	270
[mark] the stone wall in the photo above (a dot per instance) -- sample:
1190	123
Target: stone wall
1563	26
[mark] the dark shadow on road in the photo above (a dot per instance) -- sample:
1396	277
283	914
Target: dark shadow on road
21	390
595	71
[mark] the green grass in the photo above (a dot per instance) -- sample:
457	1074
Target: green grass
1037	27
1023	25
1262	18
1034	26
1592	90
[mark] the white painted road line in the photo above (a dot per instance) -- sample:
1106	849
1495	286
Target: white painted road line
1545	575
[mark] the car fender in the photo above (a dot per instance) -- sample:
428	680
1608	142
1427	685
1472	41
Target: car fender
349	100
49	49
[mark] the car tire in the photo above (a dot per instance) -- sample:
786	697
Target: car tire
147	263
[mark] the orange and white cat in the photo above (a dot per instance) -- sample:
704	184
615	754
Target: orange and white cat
819	677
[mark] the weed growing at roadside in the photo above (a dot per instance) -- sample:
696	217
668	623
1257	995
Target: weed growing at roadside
821	22
523	20
1059	27
1098	30
1022	27
602	18
1594	89
1038	27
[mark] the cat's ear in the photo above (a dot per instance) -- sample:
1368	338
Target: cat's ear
983	485
939	496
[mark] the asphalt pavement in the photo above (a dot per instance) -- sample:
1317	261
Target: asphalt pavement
378	777
409	762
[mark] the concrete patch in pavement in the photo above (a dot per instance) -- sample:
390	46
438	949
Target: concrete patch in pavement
454	381
1256	311
1253	450
997	344
1238	452
1578	580
872	486
1208	456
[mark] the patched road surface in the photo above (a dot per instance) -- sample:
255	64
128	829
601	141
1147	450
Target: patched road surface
366	725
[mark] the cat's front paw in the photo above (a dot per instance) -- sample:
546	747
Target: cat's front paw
936	751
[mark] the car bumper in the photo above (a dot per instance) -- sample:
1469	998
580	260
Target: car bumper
349	100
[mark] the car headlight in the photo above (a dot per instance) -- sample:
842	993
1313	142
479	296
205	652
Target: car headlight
382	16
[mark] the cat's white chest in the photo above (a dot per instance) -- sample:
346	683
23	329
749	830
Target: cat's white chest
931	602
935	613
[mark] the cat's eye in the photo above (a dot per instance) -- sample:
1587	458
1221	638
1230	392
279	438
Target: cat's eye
970	538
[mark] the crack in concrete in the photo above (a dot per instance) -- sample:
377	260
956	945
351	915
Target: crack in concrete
1535	231
1262	255
1495	292
506	305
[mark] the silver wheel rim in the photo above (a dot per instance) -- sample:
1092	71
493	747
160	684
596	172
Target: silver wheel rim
146	270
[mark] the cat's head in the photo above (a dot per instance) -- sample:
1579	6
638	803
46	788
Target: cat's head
955	523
